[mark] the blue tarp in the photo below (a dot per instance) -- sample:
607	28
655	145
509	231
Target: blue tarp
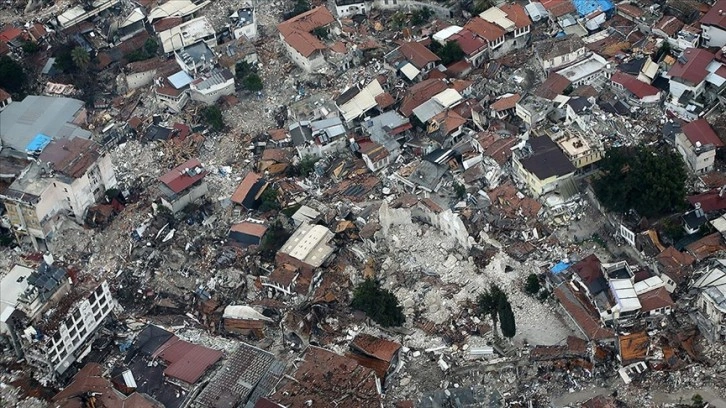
585	7
38	143
559	267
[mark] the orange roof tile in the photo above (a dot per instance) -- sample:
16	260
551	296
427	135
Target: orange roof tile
484	29
504	103
296	31
516	13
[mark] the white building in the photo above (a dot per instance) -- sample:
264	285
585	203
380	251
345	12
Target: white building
51	346
183	185
302	45
309	245
697	143
188	33
347	8
176	8
713	26
559	52
245	23
587	71
69	177
210	87
711	302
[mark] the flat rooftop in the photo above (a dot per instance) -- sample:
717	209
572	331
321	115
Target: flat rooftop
186	34
574	146
55	117
584	69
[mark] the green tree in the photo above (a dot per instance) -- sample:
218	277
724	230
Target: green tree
421	16
12	76
304	167
379	304
650	181
488	303
269	200
275	237
481	5
80	58
242	69
301	6
532	285
136	55
506	318
459	190
252	82
212	116
449	53
321	32
150	47
30	47
697	401
398	19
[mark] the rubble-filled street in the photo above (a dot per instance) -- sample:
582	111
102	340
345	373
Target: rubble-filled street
298	203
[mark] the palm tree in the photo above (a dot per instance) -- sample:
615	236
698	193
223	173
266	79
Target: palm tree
80	57
489	304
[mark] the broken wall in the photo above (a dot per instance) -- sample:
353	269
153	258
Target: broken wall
445	221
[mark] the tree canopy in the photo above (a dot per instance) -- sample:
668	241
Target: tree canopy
532	285
12	76
379	304
506	318
451	52
212	116
494	303
650	181
252	82
80	58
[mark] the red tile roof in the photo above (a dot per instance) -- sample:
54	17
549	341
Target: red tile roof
177	180
420	93
250	228
554	85
384	100
710	201
10	34
655	299
417	54
504	103
377	347
37	31
469	43
90	379
716	16
706	246
244	187
694	69
558	8
4	95
630	10
638	88
322	376
700	131
484	29
71	157
186	361
296	31
516	13
669	25
449	121
496	147
578	310
167	23
278	134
